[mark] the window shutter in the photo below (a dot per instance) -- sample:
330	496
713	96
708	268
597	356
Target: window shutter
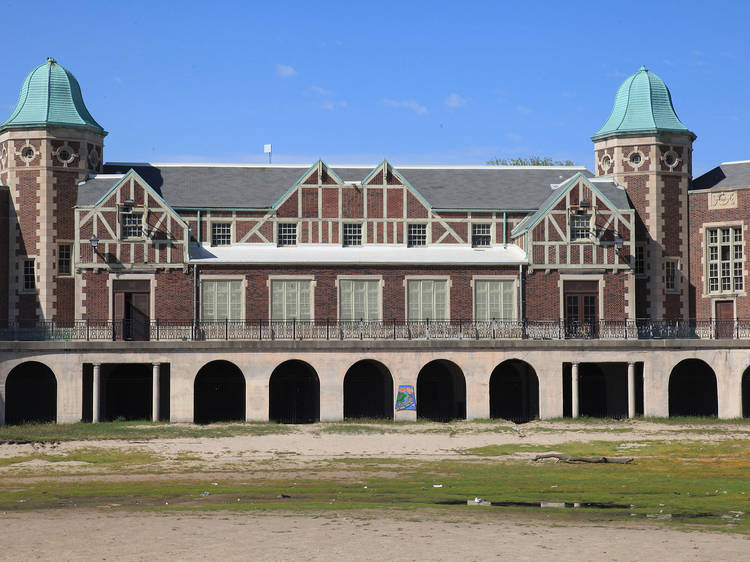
481	294
373	302
345	306
277	300
291	302
440	292
414	298
222	300
235	300
303	289
428	302
208	300
360	294
507	300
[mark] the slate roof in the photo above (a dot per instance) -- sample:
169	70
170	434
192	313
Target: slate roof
260	186
725	175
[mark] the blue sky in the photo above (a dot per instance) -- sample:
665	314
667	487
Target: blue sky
435	82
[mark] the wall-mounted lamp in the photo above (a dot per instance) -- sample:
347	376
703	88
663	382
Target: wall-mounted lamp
584	204
618	244
129	203
94	241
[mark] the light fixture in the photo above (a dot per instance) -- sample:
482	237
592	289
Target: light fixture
94	241
129	203
618	244
585	203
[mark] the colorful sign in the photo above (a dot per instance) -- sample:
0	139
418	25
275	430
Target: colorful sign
405	399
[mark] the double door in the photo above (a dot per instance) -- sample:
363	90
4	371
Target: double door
131	310
581	307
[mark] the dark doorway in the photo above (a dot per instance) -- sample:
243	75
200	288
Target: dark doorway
603	390
692	389
514	392
219	393
746	394
581	309
441	392
131	309
126	390
294	393
30	394
368	391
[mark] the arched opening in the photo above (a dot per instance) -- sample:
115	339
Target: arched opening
692	389
514	391
441	392
368	391
746	393
219	393
294	393
126	392
30	394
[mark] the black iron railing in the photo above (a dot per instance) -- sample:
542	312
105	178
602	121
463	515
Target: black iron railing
261	330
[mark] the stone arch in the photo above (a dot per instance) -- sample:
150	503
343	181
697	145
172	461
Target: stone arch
514	391
368	391
692	389
294	393
30	394
219	393
441	391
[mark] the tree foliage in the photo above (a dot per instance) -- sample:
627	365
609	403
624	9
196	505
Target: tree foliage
530	161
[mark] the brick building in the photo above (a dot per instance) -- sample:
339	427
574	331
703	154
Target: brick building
145	251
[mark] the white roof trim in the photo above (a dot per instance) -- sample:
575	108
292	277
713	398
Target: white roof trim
363	166
381	254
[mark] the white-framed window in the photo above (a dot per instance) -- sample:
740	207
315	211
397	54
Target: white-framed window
64	259
221	233
221	299
29	275
672	275
352	234
494	299
286	234
291	299
725	251
359	299
427	299
416	235
580	227
131	225
481	235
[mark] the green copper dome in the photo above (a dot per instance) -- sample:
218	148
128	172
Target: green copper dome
50	95
643	104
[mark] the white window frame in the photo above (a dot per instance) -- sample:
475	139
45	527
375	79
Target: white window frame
243	300
512	278
296	233
361	234
676	281
218	221
136	211
643	260
426	234
69	244
308	278
573	213
491	234
24	288
378	278
449	284
733	226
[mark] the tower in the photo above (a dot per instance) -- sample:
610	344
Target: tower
49	143
646	148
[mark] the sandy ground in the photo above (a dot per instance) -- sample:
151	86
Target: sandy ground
103	534
93	536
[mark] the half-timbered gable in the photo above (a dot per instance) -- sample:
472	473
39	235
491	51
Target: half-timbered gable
130	227
584	224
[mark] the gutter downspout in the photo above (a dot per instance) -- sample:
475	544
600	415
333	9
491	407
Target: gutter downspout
520	293
505	229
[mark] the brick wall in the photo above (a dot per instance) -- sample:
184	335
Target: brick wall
4	254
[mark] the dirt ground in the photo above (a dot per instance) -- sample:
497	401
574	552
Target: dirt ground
103	534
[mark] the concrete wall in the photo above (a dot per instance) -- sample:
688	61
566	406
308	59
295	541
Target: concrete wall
404	360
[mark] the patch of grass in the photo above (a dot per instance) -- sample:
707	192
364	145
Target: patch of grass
141	430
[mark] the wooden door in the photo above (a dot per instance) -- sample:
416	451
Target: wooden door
139	316
724	319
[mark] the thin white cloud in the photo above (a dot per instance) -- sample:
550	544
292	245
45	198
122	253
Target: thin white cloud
455	100
321	91
333	105
417	108
523	110
514	137
285	71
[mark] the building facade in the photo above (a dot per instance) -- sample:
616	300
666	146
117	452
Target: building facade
137	252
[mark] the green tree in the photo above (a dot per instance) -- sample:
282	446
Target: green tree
530	161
